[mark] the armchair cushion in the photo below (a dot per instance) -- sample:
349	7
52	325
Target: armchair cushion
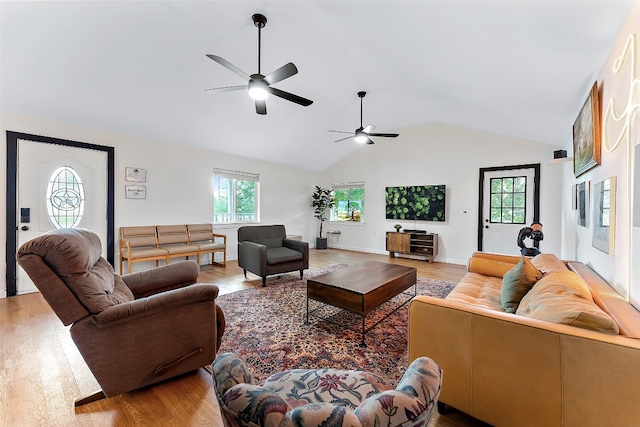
282	254
326	397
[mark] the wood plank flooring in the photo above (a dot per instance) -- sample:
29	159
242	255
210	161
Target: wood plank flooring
41	371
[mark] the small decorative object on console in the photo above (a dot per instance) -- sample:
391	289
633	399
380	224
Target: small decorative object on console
397	227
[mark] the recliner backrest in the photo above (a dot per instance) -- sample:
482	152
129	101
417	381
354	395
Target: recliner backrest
74	256
269	235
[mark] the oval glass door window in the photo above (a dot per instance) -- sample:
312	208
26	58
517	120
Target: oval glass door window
65	198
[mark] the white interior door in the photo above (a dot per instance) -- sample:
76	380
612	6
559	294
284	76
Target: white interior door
508	206
37	163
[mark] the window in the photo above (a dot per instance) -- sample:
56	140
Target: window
235	196
508	200
348	202
65	198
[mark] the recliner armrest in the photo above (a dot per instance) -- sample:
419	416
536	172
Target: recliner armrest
161	279
156	303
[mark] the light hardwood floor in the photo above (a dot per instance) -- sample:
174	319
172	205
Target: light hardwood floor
41	371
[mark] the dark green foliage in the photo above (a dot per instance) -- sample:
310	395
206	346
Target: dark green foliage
422	203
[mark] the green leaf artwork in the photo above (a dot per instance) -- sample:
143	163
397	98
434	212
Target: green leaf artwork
422	203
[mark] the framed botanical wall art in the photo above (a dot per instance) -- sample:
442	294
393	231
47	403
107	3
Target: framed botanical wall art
582	196
604	211
586	135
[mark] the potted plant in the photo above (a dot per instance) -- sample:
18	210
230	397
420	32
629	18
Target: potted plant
321	202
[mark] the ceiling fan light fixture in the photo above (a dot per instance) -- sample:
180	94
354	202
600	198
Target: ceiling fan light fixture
361	137
258	89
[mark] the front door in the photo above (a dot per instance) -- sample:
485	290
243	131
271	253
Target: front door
509	201
59	187
55	184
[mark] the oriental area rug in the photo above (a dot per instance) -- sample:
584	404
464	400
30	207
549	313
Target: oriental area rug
266	329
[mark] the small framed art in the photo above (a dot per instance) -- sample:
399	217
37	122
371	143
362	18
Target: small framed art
582	193
586	135
135	192
135	175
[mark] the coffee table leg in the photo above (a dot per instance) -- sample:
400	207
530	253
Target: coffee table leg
307	322
362	344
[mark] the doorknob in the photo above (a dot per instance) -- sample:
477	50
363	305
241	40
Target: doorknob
24	228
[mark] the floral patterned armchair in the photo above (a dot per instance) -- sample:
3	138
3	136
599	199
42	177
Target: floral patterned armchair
329	397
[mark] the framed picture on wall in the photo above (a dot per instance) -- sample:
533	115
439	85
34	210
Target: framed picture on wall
604	211
582	193
135	174
586	135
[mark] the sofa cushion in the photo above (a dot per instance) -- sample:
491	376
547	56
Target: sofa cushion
478	289
488	267
517	282
548	263
562	297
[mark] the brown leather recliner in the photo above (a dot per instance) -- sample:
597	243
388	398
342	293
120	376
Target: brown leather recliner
132	330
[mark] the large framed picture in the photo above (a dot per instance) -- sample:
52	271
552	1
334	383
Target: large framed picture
586	135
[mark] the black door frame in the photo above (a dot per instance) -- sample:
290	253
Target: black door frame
536	195
12	197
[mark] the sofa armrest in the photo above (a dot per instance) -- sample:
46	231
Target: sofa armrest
155	304
163	278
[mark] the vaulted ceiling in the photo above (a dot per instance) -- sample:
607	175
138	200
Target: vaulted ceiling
518	68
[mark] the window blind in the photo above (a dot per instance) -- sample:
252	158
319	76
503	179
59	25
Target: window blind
244	176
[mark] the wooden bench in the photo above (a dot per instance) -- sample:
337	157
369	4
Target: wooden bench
163	242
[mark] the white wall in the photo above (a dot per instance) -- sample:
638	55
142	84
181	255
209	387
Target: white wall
434	154
616	268
179	182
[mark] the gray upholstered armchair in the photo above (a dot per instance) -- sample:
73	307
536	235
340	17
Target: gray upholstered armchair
132	330
265	250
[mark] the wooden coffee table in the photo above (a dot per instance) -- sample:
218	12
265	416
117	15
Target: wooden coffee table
360	289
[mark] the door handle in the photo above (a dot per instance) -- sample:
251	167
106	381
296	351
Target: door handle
24	228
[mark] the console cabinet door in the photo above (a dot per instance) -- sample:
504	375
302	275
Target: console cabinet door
398	242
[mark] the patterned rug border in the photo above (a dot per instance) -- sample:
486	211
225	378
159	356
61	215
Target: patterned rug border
265	328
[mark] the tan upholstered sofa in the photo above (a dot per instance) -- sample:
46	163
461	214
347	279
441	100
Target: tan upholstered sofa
515	369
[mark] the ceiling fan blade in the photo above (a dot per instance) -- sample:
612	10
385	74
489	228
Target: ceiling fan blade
230	66
341	131
281	73
343	139
368	128
385	135
370	141
290	97
261	106
225	89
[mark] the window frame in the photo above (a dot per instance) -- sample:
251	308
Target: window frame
53	186
236	176
502	194
333	215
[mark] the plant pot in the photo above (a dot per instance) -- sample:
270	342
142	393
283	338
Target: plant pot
321	243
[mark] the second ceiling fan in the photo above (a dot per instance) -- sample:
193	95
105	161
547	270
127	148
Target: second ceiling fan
364	134
259	85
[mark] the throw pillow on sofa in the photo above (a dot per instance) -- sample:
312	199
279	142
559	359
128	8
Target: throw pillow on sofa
562	297
517	282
